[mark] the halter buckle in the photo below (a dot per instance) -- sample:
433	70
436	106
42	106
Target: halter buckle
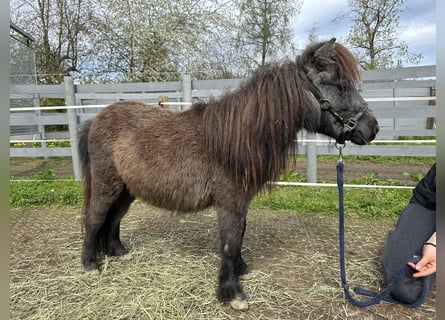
350	124
325	104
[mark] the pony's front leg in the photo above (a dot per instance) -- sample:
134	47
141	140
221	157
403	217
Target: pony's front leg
231	230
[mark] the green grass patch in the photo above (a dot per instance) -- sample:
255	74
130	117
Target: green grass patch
366	202
324	200
45	188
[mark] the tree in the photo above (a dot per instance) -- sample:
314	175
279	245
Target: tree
139	40
374	34
264	30
312	36
60	28
130	40
128	43
142	40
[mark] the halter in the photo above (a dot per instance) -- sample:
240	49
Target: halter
348	124
325	105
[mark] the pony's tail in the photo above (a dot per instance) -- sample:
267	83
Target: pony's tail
85	166
85	163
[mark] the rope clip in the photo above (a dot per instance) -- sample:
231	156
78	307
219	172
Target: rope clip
340	147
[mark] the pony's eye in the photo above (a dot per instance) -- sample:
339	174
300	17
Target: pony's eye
319	65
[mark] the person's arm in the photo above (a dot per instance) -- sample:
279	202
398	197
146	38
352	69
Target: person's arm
426	265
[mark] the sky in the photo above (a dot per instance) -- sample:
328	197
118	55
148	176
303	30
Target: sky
417	24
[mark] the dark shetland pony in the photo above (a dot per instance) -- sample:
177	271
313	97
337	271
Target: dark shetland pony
218	153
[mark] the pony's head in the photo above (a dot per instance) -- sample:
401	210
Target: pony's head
332	79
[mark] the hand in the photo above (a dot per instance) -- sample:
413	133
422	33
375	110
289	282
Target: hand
427	265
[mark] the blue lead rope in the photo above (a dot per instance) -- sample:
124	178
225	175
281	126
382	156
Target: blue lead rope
375	297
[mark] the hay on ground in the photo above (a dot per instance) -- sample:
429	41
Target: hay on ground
173	271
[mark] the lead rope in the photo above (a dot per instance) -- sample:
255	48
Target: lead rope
384	295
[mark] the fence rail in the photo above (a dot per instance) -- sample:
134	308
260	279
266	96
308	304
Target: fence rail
402	99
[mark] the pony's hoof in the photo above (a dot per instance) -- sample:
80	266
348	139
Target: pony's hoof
238	304
126	257
246	276
92	273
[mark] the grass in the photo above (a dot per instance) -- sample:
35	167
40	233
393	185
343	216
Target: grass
42	186
43	189
46	188
325	200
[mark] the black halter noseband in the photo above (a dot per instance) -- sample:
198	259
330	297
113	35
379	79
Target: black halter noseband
325	105
348	124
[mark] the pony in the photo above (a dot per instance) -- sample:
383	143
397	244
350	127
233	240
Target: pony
222	152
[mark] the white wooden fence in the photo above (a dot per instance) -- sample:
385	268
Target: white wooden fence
402	99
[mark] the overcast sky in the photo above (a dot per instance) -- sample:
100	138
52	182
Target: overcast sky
417	22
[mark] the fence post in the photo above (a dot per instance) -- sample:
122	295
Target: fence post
70	100
40	126
163	102
395	122
311	155
186	88
431	121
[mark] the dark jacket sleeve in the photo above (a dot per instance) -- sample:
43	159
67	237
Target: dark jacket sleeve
425	191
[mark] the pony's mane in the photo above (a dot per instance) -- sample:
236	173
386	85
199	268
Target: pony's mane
250	130
347	64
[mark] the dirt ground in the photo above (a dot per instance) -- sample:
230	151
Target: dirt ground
355	170
293	257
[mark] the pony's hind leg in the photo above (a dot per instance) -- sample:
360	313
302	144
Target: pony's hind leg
231	229
93	220
112	224
100	215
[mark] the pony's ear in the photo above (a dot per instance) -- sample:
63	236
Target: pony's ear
319	58
324	57
326	49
